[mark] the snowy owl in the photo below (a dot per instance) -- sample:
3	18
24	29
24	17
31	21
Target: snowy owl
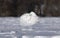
28	19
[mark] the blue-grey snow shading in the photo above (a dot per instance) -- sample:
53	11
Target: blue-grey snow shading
47	26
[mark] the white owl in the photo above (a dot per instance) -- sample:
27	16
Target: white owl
28	19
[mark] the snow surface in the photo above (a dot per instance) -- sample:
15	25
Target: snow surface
56	36
47	26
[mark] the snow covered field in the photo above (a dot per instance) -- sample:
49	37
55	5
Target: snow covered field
47	26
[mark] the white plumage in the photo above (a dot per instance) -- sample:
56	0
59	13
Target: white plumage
28	19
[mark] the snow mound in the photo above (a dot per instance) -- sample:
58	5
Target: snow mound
28	19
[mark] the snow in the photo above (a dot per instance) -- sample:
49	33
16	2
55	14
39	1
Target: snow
47	26
41	37
58	36
25	36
